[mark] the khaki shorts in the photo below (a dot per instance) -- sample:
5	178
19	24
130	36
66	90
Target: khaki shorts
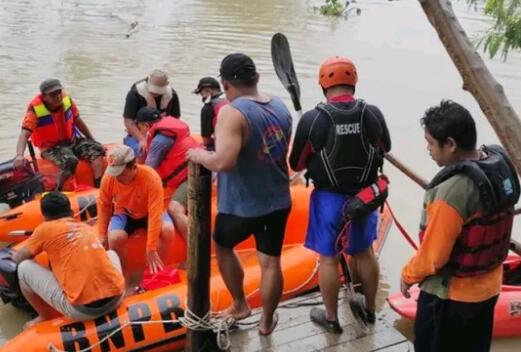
181	194
42	282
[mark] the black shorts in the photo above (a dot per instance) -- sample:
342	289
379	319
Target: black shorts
443	325
230	230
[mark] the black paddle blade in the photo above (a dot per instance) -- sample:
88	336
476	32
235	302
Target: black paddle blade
283	64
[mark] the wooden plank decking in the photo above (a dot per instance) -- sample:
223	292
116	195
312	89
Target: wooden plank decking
295	332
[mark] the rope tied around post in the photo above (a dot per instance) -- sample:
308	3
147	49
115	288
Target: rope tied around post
220	326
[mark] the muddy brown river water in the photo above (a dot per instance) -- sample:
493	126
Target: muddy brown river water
403	68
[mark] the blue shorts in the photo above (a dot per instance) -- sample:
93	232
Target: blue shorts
129	224
326	222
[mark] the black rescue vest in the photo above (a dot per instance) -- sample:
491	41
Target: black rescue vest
484	241
348	159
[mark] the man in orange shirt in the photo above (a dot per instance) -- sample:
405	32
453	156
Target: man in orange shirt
135	192
465	235
53	123
85	281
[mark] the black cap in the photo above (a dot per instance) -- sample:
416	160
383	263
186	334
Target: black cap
50	85
55	205
148	114
206	82
235	66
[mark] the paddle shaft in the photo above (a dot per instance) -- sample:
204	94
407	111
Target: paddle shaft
357	308
406	170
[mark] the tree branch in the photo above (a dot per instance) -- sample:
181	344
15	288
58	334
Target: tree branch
477	79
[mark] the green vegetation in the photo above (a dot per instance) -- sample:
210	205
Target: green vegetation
505	34
338	9
333	8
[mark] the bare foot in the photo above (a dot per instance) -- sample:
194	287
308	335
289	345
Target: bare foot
32	322
265	328
237	313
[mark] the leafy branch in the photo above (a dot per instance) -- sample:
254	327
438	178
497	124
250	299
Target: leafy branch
338	8
505	34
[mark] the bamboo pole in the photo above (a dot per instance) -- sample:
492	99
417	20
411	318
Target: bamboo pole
477	79
199	243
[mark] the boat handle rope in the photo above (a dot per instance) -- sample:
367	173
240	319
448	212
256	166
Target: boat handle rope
221	326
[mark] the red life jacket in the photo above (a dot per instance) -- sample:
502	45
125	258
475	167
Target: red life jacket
485	240
52	128
217	103
173	169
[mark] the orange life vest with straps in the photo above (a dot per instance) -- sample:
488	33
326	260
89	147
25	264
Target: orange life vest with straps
173	169
52	128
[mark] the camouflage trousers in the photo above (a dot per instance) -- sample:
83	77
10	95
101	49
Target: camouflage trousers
67	155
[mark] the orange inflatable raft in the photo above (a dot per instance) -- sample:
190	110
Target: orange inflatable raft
148	321
507	313
16	224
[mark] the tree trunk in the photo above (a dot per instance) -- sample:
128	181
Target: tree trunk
477	79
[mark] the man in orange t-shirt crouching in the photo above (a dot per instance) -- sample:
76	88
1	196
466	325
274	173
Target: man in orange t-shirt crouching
85	281
131	197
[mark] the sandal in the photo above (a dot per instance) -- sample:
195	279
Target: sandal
318	316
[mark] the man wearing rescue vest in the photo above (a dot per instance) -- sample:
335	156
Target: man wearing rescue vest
168	140
52	121
131	197
341	143
251	144
465	233
84	281
154	91
213	99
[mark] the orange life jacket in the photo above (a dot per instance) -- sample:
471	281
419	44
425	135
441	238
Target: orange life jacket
52	128
174	167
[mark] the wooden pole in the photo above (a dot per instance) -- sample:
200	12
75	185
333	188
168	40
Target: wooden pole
406	170
199	245
477	79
